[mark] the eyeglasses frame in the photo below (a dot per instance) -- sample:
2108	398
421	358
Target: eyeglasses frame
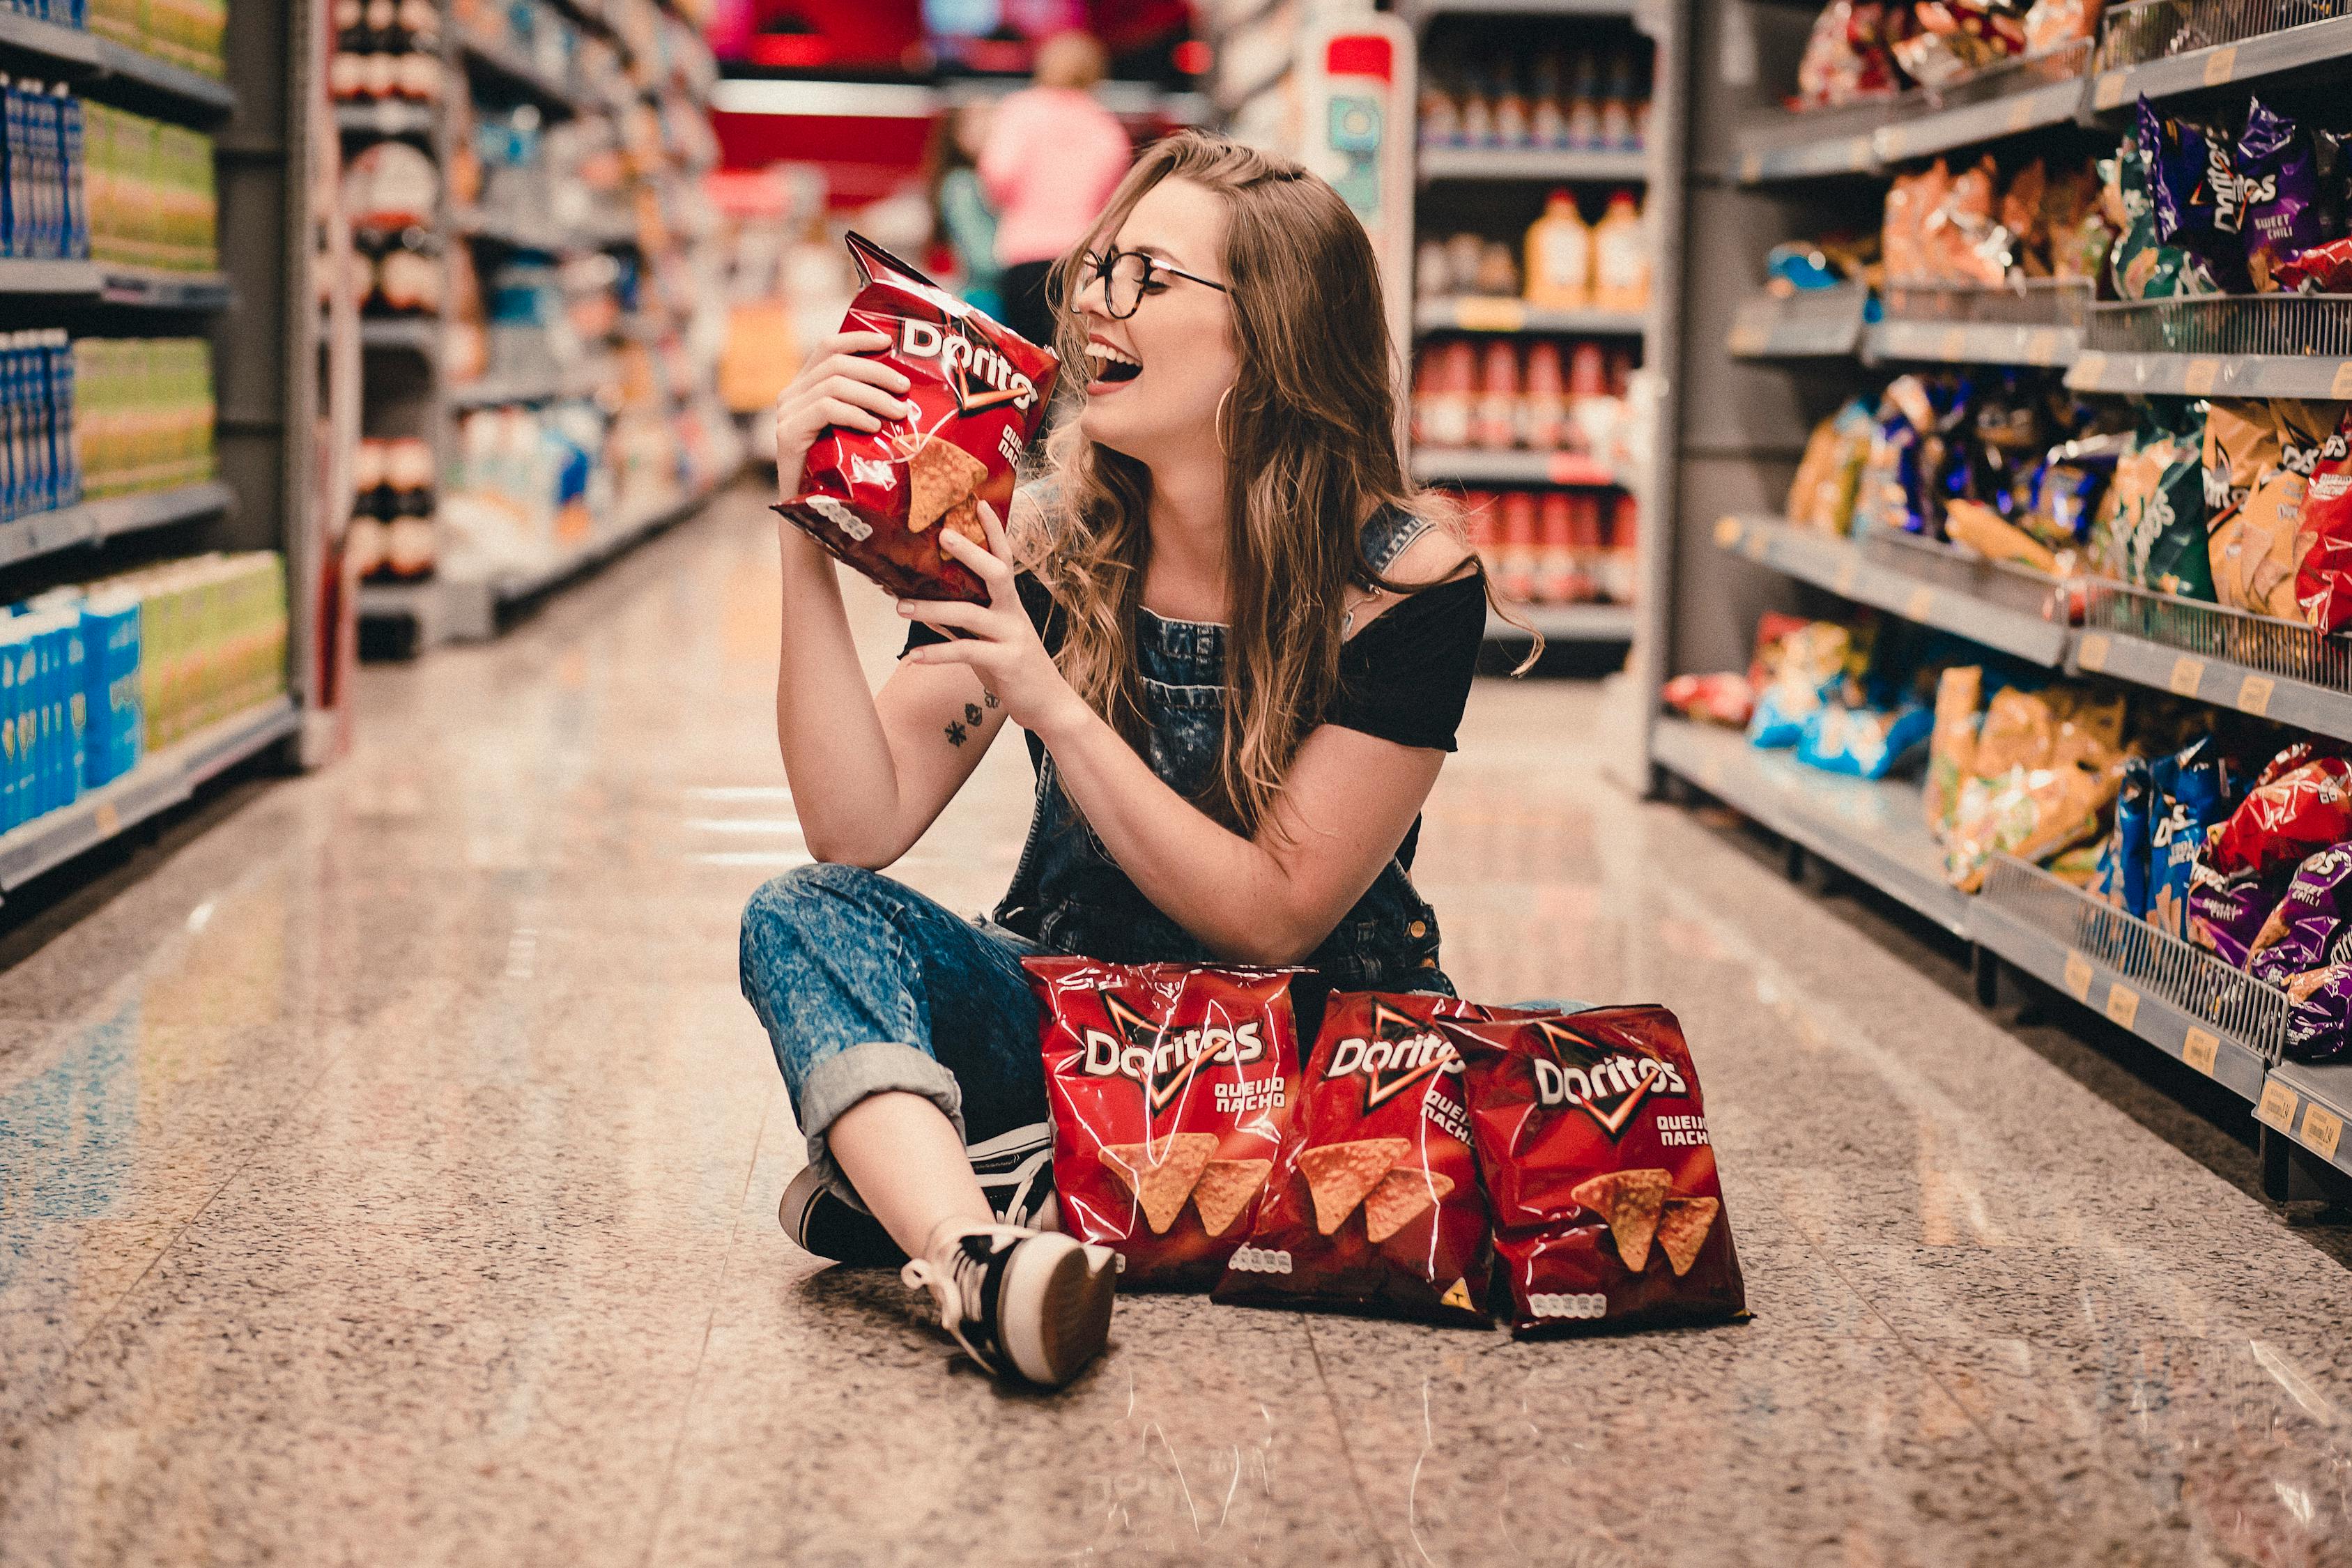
1101	268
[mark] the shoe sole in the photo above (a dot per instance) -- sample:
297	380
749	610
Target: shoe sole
1074	1300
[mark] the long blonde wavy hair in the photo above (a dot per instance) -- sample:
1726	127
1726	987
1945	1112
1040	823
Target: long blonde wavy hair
1309	433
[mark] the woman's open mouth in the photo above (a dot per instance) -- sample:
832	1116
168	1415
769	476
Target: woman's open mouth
1109	366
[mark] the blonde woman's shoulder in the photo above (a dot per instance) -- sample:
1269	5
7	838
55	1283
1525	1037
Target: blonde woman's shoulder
1439	556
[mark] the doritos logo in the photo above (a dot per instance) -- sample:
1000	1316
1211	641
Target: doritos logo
978	376
1606	1084
1404	1052
1164	1061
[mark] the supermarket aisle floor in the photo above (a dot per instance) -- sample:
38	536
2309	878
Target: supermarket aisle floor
392	1178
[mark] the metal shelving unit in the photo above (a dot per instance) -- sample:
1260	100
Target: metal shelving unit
1566	624
1518	164
2183	1001
94	521
1478	466
1476	313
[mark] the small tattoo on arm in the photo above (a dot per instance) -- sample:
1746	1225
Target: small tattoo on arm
988	697
955	733
972	713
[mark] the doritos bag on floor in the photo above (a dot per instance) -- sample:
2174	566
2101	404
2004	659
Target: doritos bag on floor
1170	1086
1593	1144
881	501
1374	1203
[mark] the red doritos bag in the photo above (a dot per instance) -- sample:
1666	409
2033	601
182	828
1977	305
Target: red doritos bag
1593	1144
979	392
1169	1086
1374	1201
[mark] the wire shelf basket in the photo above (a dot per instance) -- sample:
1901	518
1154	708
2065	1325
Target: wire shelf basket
2317	325
2134	34
2193	981
2019	73
2028	302
1815	323
2001	583
2287	649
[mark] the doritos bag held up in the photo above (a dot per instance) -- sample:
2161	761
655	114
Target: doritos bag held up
1594	1146
1374	1201
1169	1086
882	501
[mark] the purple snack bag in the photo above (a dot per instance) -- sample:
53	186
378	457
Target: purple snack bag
2301	933
2277	176
2194	192
2319	1024
2226	913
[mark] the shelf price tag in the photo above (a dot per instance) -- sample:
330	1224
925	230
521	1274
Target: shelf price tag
2123	1005
1727	532
1758	547
1857	154
1848	569
2041	347
1955	344
2341	387
109	820
1892	142
1751	167
2255	695
1920	604
1747	337
2277	1106
2322	1128
2090	653
2188	674
2109	92
2078	975
2090	369
1489	314
2221	65
2200	1050
2199	378
2021	115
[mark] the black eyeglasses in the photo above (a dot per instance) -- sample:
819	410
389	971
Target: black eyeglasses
1128	275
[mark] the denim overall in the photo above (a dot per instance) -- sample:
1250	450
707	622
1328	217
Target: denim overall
1069	896
866	987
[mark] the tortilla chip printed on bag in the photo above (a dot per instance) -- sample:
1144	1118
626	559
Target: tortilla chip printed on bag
1374	1203
979	392
2283	822
1169	1086
1593	1143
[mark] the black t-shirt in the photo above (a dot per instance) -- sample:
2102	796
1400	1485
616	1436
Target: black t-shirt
1405	677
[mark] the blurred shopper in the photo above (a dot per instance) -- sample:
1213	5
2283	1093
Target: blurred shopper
1240	642
959	207
1053	157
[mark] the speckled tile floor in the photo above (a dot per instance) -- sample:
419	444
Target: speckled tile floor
389	1176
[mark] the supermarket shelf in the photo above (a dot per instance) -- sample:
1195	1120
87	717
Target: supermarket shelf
1923	129
1813	323
1517	163
622	536
2279	670
415	334
1905	588
385	117
511	67
521	232
1803	146
1467	466
1565	623
46	532
1871	829
156	784
32	275
2213	375
1971	342
542	388
208	96
2311	1102
2268	54
162	290
2185	1001
48	43
1478	313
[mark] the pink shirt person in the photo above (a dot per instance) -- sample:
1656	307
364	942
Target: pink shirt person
1052	158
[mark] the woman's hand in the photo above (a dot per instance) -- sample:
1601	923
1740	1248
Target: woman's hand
836	386
1000	645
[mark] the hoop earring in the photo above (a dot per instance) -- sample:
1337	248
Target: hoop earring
1218	423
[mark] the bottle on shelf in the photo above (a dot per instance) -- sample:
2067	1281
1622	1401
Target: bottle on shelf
1621	571
1441	114
1588	386
1547	113
1499	272
1477	113
409	537
1543	399
363	539
1584	104
1496	426
1511	114
1446	406
1620	257
1560	255
1617	105
1584	536
1518	552
1557	579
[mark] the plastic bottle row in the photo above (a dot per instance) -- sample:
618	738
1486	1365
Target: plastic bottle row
1557	547
1580	100
1555	396
1569	264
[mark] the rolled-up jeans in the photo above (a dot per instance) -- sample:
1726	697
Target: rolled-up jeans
866	986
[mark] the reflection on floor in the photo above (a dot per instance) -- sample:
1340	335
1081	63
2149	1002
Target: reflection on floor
391	1178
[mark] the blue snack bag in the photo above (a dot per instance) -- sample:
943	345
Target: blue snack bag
2192	793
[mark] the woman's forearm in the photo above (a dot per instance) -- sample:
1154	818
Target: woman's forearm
836	755
1228	891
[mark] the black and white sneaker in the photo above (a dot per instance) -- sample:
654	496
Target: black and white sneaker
826	1223
1030	1303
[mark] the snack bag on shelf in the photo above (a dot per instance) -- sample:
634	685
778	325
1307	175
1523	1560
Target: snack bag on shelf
980	393
2227	912
1901	235
2052	25
2276	168
1373	1202
1952	743
2076	222
1822	494
2254	549
1723	696
1867	743
2067	491
2195	199
2305	928
2322	573
1846	59
2282	823
1170	1086
1592	1139
1811	666
2123	876
2032	814
1980	528
2192	792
